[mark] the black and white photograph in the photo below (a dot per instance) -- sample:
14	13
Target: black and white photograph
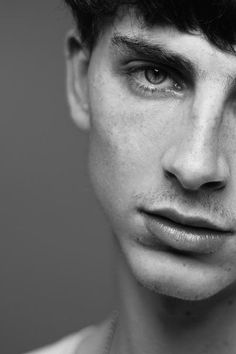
118	178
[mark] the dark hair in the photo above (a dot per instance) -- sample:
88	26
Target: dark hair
216	19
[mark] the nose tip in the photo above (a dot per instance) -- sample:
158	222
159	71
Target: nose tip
195	171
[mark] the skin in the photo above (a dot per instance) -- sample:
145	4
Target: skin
170	144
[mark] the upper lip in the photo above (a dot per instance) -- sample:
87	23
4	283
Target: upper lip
189	220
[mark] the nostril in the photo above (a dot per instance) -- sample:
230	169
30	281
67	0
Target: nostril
216	185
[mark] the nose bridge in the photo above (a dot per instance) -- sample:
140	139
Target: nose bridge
196	158
209	103
205	118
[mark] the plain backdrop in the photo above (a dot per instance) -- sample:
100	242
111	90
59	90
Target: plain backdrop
55	249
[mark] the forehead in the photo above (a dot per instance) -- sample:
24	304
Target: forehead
193	46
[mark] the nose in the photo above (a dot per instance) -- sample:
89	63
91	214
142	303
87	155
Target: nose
195	160
195	169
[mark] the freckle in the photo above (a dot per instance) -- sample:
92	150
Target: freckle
188	313
230	302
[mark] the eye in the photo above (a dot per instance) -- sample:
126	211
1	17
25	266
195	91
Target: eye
155	76
154	81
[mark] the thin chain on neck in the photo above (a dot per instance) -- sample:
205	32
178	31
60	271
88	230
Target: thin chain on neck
111	333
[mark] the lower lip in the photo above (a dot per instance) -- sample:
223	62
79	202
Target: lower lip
184	238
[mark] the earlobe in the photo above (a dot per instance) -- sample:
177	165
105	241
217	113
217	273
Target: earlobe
77	59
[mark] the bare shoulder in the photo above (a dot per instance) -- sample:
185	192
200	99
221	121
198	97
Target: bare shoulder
92	340
66	345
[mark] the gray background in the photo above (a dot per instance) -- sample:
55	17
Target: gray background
55	260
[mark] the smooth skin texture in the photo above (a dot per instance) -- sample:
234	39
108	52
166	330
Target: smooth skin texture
159	107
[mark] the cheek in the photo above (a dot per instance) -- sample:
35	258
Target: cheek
117	159
127	139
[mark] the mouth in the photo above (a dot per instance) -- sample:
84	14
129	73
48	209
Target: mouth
191	234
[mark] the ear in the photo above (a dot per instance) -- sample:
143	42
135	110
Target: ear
77	60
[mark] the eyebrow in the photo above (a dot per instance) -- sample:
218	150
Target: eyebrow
155	52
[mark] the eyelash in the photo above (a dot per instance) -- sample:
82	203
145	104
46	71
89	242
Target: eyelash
150	89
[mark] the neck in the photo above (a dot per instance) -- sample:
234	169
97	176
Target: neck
153	323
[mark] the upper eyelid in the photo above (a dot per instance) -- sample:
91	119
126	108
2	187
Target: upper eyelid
151	64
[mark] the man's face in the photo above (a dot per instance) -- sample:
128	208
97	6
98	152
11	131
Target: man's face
163	155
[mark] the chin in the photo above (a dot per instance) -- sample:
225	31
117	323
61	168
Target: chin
179	290
176	276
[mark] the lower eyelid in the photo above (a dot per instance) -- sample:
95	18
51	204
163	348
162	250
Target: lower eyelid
147	91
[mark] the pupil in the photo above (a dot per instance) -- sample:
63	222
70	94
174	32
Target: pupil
155	76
